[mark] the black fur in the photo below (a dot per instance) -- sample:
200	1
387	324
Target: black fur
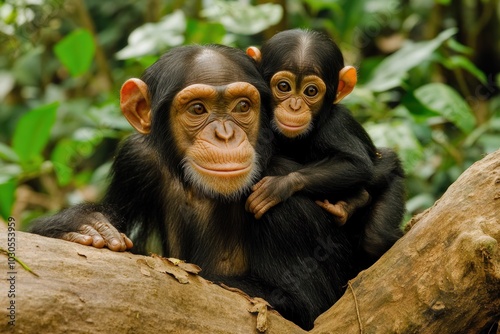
338	159
298	264
313	257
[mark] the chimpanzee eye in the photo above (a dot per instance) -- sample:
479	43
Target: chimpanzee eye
311	91
284	86
197	109
242	106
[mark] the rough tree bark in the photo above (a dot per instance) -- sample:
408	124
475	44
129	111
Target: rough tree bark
443	276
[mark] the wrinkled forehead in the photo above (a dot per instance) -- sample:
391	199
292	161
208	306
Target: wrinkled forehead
212	68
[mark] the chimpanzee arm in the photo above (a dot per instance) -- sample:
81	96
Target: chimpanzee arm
348	165
326	177
86	224
341	160
125	203
382	226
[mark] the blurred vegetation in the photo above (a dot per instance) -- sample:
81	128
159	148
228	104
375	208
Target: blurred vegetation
428	82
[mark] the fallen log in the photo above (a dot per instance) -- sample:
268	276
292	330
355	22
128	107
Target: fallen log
443	276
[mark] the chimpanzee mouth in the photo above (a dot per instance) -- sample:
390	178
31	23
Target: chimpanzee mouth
228	181
224	171
291	128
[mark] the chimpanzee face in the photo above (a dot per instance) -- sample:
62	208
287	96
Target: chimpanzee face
214	122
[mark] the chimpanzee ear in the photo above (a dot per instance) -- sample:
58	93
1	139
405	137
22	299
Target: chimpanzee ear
347	81
254	53
135	104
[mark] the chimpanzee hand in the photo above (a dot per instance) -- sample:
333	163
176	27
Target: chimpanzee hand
270	191
339	210
343	210
98	232
85	224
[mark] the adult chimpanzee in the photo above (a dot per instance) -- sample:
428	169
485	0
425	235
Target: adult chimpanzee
307	77
200	147
186	176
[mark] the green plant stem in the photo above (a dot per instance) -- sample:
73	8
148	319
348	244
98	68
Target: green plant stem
4	251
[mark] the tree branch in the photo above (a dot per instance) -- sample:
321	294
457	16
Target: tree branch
443	276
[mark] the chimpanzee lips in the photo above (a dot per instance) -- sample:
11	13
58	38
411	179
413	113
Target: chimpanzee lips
228	179
224	170
291	130
292	127
291	124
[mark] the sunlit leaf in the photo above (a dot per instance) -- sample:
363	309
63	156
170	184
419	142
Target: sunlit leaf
400	137
32	132
109	116
490	142
459	47
153	38
9	171
393	69
8	81
445	101
244	19
76	51
419	202
7	153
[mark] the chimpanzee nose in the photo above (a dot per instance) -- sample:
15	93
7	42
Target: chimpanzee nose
295	104
224	131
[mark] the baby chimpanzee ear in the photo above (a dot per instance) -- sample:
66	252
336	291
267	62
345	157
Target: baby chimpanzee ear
347	81
254	53
135	104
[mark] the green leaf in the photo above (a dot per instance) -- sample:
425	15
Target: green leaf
200	32
318	5
445	101
244	19
399	136
69	151
76	51
62	157
490	142
459	47
8	154
393	69
9	171
7	196
32	132
153	38
462	62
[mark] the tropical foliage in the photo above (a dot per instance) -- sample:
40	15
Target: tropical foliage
428	82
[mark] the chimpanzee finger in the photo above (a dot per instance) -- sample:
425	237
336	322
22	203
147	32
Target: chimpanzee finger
260	183
255	201
262	210
324	204
128	243
336	210
78	238
113	239
252	201
97	240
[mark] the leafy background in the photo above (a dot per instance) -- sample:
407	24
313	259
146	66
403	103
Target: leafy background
428	82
